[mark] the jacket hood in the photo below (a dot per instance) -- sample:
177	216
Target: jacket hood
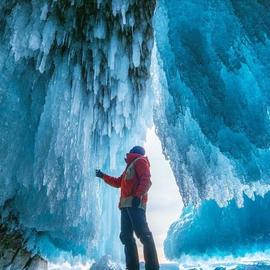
131	156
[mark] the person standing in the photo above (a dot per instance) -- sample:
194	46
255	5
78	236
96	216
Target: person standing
134	183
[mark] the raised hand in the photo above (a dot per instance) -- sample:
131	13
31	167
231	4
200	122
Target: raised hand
99	173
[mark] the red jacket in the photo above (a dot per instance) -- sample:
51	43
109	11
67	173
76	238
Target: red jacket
134	181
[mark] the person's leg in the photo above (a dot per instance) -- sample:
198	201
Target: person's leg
128	240
140	226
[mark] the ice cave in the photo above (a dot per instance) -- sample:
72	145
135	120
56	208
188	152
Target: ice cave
82	81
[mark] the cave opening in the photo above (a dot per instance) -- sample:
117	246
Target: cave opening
165	203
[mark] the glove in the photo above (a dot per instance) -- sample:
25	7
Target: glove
136	201
99	174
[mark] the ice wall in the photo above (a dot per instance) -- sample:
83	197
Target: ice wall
74	96
211	76
214	116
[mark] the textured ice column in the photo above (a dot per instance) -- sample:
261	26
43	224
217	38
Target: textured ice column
214	118
74	96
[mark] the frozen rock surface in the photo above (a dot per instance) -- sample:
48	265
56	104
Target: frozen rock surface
14	254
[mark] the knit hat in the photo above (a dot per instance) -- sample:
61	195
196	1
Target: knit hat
138	150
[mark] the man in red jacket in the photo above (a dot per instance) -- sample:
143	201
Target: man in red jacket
134	183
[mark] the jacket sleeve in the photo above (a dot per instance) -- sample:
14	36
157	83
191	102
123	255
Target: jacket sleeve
113	181
143	173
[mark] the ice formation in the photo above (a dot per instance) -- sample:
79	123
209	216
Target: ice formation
211	73
214	116
74	96
221	231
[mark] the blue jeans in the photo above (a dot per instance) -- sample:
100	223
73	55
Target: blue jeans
134	220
